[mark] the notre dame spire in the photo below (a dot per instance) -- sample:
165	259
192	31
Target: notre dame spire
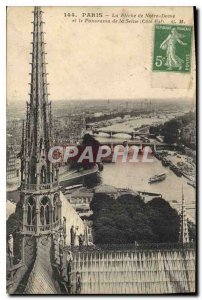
38	122
39	187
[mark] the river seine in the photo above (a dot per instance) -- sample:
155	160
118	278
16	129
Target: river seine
135	175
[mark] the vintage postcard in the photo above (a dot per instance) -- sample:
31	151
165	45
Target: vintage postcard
101	151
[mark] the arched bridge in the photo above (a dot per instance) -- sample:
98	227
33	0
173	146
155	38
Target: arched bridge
132	133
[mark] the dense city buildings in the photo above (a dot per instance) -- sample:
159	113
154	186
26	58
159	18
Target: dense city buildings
69	129
12	168
188	134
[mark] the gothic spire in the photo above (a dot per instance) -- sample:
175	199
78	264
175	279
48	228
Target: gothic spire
40	198
38	118
183	234
39	111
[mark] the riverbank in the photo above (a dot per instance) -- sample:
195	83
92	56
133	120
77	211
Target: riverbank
75	174
135	176
183	163
135	122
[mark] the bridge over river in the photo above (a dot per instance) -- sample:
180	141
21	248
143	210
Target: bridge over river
131	133
137	138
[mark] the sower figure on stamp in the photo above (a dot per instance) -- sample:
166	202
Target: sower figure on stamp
169	44
10	249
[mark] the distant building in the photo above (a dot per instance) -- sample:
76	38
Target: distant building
80	201
12	167
14	134
98	114
188	134
127	117
70	129
148	196
113	191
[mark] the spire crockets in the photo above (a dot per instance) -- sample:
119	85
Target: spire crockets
37	169
183	234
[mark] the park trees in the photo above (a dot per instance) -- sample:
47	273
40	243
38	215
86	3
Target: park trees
128	219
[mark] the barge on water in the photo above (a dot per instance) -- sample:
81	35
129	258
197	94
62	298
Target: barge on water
157	178
165	162
176	170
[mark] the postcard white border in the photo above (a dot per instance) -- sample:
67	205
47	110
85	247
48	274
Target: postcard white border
3	5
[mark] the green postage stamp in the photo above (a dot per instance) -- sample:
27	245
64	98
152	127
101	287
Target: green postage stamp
172	48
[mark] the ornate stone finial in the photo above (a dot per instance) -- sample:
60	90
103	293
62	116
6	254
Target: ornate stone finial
61	252
61	243
10	249
72	235
64	230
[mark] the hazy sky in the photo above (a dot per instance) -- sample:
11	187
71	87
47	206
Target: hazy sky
92	61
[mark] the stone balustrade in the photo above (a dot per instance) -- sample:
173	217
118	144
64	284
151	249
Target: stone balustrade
38	187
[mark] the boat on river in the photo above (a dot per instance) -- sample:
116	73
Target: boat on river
176	170
157	178
165	162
